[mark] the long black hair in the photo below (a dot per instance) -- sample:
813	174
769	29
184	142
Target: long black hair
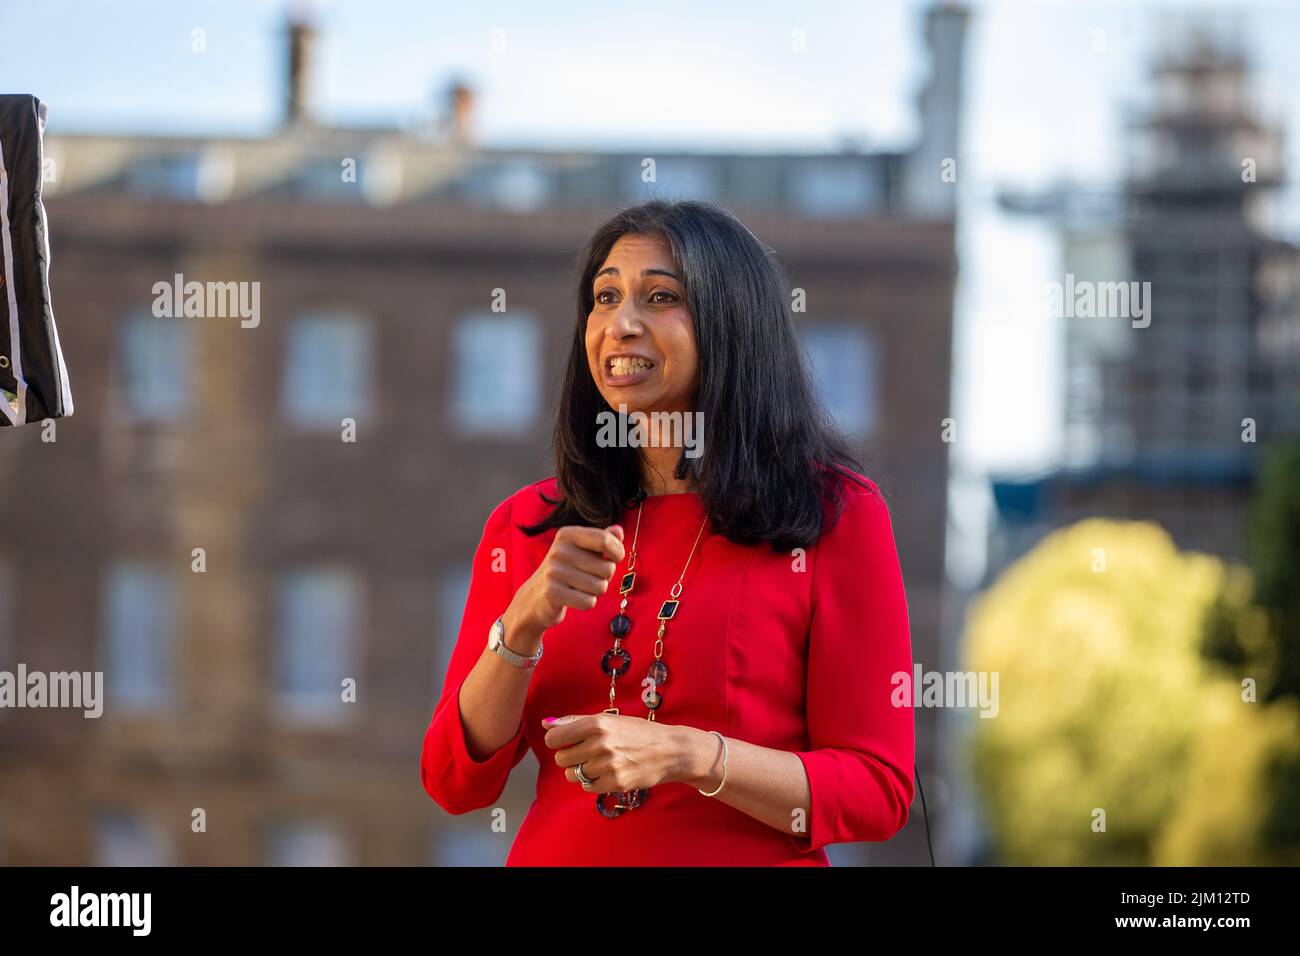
771	456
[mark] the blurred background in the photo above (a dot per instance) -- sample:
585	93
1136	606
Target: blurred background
1104	515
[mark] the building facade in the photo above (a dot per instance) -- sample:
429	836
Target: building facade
1165	412
288	488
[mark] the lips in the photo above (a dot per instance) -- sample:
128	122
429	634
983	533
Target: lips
626	368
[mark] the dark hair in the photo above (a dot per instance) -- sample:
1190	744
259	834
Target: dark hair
772	455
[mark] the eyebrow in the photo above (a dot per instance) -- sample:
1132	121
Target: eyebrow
613	270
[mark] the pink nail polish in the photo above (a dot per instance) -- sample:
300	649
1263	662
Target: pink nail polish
547	721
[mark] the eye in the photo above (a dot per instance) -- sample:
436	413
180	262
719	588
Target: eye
672	297
601	293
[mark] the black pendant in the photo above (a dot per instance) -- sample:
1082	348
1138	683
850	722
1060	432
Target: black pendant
651	697
658	672
619	625
612	805
626	584
607	662
668	610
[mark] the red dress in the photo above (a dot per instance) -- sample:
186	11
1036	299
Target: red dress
790	651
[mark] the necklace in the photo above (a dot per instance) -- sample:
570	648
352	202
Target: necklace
617	660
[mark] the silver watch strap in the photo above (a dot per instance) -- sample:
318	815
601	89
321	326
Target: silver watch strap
500	649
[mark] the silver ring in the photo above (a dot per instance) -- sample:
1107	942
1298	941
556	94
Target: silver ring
582	778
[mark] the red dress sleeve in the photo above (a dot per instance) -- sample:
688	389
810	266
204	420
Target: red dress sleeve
860	763
450	774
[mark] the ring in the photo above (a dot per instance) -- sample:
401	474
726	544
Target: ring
582	778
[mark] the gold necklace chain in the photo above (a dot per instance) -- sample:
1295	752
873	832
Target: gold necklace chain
617	660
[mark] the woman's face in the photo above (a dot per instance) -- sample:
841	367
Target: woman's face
640	337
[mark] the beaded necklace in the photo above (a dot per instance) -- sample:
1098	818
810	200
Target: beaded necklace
617	660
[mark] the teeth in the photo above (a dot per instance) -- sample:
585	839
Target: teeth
626	366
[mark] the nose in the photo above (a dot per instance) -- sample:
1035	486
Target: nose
626	322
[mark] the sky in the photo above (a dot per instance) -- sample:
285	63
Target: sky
1049	85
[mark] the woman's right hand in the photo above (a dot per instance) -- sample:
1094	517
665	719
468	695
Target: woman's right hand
575	572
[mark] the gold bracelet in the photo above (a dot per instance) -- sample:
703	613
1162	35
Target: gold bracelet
724	765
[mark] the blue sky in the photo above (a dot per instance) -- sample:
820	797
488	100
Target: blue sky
1043	103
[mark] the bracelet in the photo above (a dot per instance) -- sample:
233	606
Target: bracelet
724	765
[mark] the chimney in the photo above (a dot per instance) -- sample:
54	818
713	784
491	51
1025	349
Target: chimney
301	35
460	112
939	105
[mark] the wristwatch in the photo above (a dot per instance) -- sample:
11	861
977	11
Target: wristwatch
497	645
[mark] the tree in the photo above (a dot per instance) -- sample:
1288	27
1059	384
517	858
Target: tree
1274	550
1115	737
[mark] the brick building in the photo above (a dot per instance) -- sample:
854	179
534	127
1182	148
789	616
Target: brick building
202	531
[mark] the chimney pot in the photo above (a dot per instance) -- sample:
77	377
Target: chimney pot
301	35
460	111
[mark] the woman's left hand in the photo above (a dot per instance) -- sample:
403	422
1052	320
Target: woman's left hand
620	753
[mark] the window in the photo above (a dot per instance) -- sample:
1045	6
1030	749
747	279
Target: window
157	362
497	372
375	177
327	369
834	187
844	368
319	617
754	180
453	591
141	628
517	184
677	177
126	839
322	179
520	186
205	175
303	843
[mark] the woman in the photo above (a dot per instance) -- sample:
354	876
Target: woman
727	700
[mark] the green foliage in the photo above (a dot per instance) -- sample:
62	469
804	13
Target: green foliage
1237	634
1108	706
1274	546
1274	533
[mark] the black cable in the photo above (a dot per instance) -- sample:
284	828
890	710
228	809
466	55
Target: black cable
925	813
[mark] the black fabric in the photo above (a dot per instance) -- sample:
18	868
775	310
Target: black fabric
33	377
